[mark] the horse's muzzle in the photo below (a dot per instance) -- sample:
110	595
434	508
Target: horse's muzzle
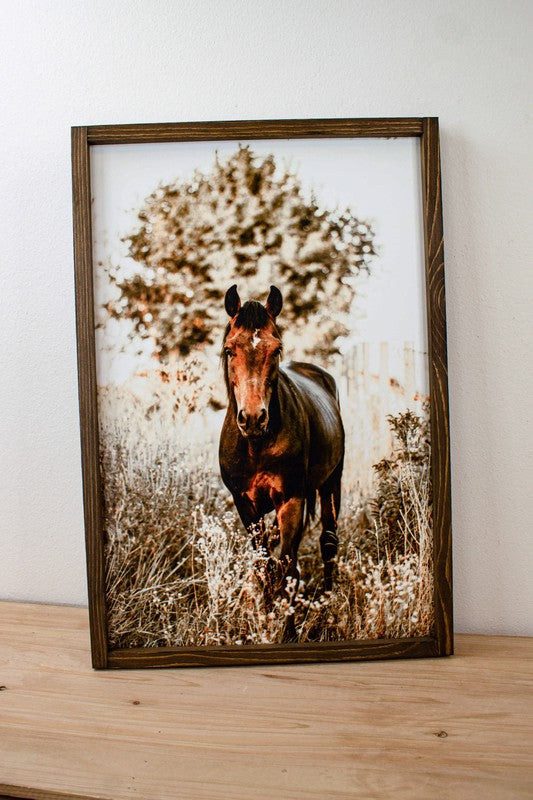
252	423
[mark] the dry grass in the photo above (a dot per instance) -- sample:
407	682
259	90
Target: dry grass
181	570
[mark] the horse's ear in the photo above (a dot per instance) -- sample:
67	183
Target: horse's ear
232	301
274	302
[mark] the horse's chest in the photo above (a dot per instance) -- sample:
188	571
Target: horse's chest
262	486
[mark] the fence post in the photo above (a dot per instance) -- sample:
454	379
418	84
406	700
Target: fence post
409	372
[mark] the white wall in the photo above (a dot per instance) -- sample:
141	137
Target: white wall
70	62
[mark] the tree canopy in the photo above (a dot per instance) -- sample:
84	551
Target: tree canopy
245	222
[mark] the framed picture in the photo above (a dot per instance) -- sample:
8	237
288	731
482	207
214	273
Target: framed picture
263	391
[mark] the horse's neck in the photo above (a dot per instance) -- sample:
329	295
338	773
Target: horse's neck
284	400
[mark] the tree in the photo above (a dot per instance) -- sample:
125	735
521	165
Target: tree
248	223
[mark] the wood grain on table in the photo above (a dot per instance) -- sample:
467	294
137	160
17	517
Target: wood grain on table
460	727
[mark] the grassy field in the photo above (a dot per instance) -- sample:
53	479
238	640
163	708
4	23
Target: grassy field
181	569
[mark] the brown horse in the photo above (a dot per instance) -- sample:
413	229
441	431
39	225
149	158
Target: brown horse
282	440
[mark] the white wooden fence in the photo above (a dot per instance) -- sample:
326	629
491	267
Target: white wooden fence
376	379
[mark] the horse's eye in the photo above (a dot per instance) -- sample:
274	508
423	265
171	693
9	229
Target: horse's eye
277	352
228	352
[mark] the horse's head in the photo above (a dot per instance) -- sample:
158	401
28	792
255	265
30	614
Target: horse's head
252	347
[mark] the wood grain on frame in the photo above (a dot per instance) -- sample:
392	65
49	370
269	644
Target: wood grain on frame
427	130
438	384
90	453
233	655
252	129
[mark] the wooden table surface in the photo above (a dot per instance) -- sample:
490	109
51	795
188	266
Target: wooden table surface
460	727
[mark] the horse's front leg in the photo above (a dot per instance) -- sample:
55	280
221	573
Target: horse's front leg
252	520
290	517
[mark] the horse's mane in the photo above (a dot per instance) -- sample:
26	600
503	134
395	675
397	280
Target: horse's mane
252	315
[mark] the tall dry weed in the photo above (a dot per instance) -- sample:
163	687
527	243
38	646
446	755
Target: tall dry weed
181	570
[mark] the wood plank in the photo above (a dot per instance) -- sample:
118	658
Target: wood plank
458	727
252	129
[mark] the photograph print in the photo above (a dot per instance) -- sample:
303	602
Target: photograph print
263	391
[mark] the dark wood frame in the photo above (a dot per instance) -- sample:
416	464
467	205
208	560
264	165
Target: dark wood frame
426	129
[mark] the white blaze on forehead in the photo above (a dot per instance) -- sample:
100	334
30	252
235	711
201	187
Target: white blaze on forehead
256	338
